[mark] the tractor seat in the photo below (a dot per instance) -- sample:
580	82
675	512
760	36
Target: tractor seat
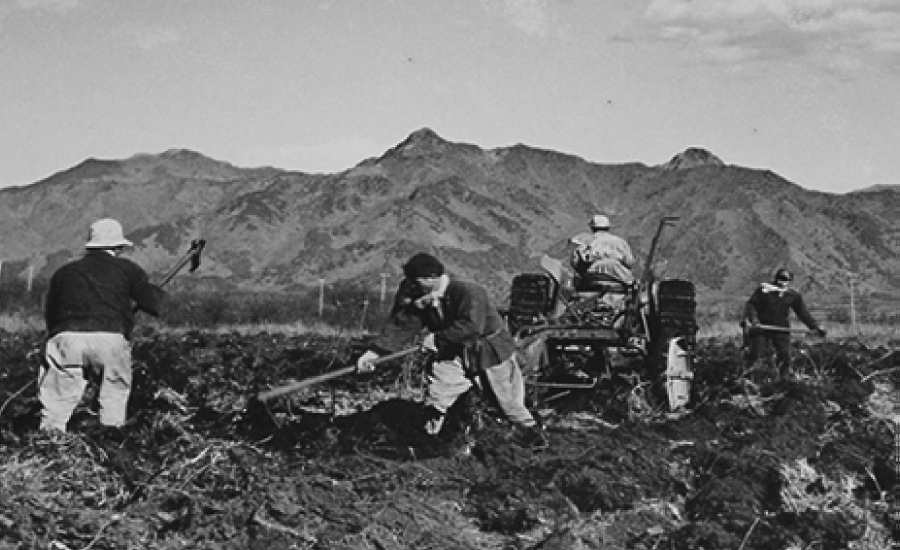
601	282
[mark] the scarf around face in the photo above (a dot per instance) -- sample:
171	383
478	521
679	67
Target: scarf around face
433	298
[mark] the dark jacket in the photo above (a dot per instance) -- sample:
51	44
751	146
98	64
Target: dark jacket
770	305
468	323
99	293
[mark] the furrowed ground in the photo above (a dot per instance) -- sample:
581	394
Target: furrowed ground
806	462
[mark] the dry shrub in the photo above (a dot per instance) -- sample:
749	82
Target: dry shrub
806	490
41	482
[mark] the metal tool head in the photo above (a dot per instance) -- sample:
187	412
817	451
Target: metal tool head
197	246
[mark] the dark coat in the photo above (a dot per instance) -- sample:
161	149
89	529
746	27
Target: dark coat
98	293
770	306
468	325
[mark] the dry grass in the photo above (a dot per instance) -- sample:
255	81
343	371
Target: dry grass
884	404
798	494
18	323
804	489
287	329
866	333
60	468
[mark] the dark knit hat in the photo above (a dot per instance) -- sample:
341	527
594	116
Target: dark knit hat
783	275
423	265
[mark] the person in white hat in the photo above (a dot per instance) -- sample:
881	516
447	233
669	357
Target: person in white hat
89	312
602	252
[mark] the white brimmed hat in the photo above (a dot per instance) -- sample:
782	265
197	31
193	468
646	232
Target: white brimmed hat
106	233
599	222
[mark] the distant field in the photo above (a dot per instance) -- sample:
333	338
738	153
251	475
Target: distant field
284	313
868	332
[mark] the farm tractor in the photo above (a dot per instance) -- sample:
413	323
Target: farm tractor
578	333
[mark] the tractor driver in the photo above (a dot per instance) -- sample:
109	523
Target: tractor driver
602	252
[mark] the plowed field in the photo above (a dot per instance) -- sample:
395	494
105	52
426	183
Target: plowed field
805	462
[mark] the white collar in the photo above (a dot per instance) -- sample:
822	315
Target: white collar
769	287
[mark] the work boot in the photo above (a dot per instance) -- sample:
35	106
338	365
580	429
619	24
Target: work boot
533	437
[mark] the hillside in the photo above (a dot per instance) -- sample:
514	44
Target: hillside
488	213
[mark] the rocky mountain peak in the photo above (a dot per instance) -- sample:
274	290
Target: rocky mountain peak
421	143
179	163
423	136
182	154
692	157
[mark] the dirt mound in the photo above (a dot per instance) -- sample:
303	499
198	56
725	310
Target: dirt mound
758	463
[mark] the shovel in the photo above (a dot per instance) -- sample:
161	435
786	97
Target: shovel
305	383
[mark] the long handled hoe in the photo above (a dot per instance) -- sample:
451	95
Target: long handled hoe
307	382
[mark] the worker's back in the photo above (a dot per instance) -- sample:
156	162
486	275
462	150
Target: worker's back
602	252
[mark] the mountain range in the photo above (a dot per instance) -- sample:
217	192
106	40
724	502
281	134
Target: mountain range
488	214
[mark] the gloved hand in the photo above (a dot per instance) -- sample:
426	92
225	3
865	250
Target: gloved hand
821	332
428	344
364	363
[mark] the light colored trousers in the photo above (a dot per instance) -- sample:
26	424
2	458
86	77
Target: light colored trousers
447	381
62	381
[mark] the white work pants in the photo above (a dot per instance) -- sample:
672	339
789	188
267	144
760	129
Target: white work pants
447	381
62	381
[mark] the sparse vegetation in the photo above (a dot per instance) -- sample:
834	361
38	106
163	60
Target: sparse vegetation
344	309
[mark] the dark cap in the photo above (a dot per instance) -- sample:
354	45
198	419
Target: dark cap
784	275
422	266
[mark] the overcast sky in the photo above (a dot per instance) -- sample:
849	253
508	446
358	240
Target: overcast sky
809	89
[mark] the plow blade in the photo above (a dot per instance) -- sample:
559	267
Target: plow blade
678	374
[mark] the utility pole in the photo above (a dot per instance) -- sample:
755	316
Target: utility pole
362	318
321	296
384	277
851	277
